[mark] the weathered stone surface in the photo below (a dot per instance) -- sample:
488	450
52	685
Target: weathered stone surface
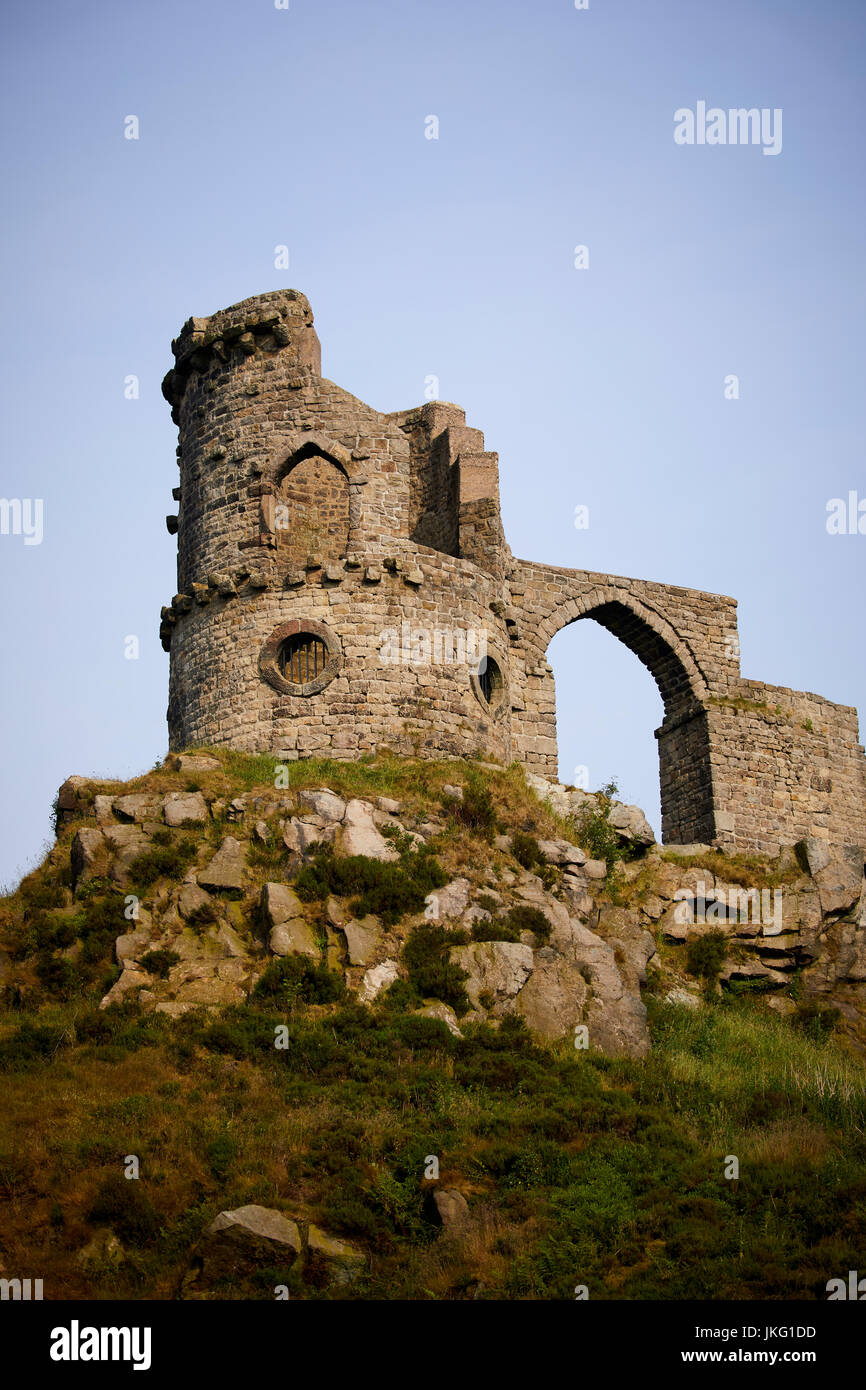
498	968
133	944
343	1262
324	804
195	762
388	805
191	899
293	938
88	854
138	807
226	869
361	836
450	1210
183	808
362	940
280	904
130	979
445	904
840	881
683	997
595	868
240	1241
631	824
561	852
377	979
552	1000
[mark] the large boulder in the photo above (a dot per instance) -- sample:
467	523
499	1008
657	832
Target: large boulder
362	940
342	1263
360	835
238	1242
89	854
226	869
449	1209
138	807
553	999
280	904
324	804
185	808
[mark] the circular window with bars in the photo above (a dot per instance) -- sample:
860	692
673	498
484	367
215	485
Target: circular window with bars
301	657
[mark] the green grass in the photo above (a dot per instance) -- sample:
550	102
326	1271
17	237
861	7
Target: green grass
580	1168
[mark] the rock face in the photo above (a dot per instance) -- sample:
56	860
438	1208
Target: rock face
226	869
580	974
362	836
498	969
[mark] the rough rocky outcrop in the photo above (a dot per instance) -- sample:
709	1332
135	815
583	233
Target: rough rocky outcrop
605	934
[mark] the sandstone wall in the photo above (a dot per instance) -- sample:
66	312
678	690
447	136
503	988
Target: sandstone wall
300	505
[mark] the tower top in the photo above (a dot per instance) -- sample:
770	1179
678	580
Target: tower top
278	321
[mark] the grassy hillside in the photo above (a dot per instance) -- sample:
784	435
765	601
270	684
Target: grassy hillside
579	1169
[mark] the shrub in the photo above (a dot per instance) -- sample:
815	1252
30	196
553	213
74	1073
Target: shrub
59	976
526	850
497	929
474	809
162	860
221	1154
388	890
706	954
526	918
431	972
816	1020
597	836
121	1204
203	916
159	962
400	997
298	977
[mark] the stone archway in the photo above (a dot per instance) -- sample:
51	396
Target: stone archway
685	765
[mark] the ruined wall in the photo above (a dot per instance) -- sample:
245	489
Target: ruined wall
301	508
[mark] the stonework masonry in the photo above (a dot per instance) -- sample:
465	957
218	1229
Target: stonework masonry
305	515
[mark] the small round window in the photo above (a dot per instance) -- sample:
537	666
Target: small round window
489	686
300	657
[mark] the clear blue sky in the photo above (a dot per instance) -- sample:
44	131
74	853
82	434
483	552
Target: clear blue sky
453	257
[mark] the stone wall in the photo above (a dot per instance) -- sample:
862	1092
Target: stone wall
300	505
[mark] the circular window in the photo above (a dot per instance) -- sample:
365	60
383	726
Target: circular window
300	657
489	686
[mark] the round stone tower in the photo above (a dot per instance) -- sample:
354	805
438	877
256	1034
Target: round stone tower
341	573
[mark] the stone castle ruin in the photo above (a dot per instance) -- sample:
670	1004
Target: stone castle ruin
344	584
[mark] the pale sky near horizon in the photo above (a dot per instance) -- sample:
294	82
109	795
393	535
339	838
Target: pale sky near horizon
452	257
